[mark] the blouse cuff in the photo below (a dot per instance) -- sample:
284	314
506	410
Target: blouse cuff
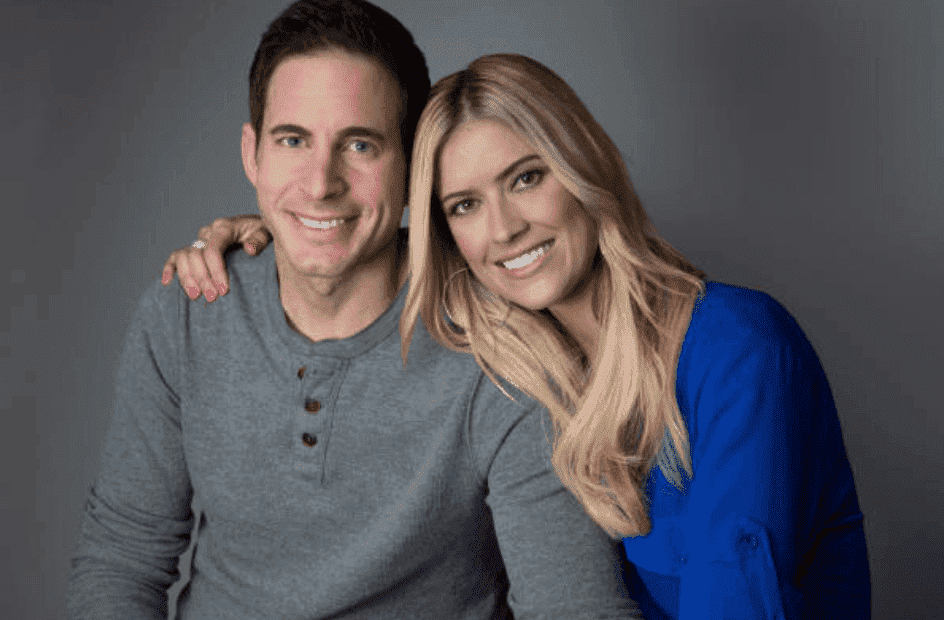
736	578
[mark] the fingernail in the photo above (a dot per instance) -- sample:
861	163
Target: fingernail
193	292
221	288
210	294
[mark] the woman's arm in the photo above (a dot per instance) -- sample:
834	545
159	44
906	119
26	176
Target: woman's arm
773	527
203	270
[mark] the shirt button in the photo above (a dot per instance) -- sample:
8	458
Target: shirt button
312	406
309	440
301	372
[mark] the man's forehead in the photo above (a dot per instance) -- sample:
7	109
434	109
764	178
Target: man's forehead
332	86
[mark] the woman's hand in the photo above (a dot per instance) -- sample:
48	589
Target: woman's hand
203	269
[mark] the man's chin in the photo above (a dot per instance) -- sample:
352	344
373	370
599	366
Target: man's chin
312	262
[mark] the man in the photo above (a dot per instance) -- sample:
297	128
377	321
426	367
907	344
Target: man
333	481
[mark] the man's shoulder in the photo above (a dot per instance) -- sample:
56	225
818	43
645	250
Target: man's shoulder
168	306
249	270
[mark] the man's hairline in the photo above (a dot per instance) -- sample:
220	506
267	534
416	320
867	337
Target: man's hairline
329	47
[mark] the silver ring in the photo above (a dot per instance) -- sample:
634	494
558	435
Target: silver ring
199	244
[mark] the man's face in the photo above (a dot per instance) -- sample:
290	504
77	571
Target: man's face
329	168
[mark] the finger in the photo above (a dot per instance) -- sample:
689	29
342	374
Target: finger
201	273
168	273
257	241
205	232
221	234
171	266
192	273
179	262
216	268
247	232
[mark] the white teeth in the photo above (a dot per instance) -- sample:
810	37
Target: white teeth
526	259
320	225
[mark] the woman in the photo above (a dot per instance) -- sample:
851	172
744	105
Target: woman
530	250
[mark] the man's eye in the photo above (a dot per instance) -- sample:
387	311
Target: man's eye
291	141
359	146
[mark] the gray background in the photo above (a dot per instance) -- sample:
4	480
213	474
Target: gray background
792	147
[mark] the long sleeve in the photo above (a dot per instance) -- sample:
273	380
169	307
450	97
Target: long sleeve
773	528
137	517
333	481
560	564
769	526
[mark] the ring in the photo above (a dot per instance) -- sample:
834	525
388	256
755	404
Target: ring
199	244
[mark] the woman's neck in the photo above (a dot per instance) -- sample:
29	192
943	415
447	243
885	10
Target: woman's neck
576	316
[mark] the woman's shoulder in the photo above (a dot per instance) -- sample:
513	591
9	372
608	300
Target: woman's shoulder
732	315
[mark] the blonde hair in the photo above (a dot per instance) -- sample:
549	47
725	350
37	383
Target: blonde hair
610	426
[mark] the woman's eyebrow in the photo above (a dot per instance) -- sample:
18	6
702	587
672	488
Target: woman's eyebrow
500	177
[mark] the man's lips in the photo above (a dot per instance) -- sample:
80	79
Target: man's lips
322	221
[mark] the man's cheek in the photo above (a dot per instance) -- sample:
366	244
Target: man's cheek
370	187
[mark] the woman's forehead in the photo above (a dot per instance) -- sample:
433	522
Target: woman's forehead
477	151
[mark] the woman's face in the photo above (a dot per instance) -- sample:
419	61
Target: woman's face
524	236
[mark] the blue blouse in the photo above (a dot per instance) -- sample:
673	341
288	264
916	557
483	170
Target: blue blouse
769	527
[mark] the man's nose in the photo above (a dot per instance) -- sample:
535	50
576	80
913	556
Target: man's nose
324	175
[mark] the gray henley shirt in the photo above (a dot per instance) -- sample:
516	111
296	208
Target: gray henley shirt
332	481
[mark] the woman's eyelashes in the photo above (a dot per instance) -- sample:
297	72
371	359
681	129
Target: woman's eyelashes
527	179
459	208
524	181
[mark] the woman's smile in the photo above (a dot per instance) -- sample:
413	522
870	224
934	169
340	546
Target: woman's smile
523	234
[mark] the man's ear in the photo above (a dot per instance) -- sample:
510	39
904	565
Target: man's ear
249	153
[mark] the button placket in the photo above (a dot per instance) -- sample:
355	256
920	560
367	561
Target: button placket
307	424
319	380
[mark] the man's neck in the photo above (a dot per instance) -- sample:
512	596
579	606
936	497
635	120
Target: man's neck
323	308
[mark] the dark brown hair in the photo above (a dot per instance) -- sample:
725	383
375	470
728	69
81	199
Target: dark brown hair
360	27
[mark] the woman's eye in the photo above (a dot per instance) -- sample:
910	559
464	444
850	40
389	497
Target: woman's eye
529	178
460	208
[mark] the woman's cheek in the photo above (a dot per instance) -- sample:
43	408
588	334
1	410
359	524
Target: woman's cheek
466	245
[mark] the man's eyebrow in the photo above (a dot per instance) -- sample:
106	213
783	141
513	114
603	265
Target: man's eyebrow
289	128
366	132
501	176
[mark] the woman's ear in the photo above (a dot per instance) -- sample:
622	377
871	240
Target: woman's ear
248	144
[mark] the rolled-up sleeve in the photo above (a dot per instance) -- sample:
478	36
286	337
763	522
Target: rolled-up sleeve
773	528
769	527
